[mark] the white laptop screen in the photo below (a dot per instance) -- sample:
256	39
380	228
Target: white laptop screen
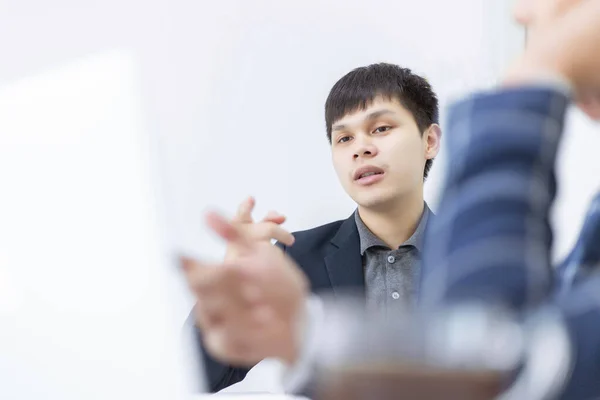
85	311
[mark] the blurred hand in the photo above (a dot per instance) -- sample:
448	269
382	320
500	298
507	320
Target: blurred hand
250	308
564	40
265	230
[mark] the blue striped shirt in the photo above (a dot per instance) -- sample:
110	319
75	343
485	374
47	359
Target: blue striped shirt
492	238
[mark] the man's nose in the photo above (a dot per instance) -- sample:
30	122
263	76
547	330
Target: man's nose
365	149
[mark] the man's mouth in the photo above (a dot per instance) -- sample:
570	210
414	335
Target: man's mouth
368	175
367	171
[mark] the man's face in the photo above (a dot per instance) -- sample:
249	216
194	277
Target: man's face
379	153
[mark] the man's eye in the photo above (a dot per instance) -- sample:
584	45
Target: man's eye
343	139
382	129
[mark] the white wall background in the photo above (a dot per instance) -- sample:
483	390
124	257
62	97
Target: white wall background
578	172
235	89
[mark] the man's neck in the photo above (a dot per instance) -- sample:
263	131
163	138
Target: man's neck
394	225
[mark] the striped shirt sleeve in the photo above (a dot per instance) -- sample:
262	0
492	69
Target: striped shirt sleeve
492	237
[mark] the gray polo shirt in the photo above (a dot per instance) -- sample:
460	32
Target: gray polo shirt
391	275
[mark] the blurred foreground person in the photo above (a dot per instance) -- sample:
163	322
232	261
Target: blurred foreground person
492	240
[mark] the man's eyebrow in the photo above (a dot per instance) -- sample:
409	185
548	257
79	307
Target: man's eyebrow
377	114
338	127
369	117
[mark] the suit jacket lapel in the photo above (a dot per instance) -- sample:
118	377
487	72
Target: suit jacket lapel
344	262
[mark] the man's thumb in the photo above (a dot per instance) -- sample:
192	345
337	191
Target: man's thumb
244	212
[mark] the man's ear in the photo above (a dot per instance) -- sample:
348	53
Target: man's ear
433	138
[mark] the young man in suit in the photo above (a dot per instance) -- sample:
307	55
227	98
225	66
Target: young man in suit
382	125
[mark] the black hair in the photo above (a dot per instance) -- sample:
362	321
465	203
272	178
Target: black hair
358	88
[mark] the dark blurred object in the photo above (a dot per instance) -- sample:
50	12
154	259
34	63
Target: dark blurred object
467	352
393	381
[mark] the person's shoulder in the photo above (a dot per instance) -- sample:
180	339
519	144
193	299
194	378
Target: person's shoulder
318	234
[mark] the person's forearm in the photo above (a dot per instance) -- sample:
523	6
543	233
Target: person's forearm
492	237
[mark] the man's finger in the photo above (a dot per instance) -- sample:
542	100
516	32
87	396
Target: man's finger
244	211
205	279
269	230
229	232
189	266
275	217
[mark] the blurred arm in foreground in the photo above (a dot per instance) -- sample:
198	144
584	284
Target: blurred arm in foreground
492	240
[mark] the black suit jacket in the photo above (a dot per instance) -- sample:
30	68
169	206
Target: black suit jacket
330	257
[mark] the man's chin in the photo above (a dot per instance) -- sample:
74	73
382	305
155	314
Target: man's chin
591	108
375	201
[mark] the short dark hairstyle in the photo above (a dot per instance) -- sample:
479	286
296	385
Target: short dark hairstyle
358	88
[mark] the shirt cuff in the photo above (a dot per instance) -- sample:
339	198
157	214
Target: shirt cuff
296	376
